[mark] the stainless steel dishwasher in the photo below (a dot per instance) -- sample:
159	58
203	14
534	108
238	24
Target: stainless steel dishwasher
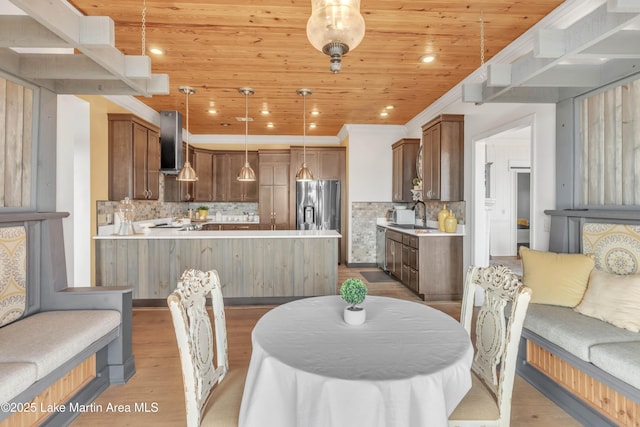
381	244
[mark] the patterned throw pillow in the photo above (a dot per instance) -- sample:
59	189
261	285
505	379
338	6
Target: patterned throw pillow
13	273
616	247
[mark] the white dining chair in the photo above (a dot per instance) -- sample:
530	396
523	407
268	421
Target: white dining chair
212	392
497	335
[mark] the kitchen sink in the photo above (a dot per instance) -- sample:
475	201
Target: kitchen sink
412	227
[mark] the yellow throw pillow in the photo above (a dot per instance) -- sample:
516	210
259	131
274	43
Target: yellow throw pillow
556	279
613	298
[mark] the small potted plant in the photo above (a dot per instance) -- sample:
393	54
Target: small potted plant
354	291
202	212
417	183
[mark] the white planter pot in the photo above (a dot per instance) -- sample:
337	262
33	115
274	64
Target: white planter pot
354	317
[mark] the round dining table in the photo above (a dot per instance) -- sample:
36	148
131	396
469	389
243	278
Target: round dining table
407	365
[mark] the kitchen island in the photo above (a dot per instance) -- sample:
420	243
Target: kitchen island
255	266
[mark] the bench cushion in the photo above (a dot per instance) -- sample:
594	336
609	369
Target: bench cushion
620	359
49	339
16	378
573	331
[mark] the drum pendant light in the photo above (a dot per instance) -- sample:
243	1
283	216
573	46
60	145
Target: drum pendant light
304	174
246	172
187	173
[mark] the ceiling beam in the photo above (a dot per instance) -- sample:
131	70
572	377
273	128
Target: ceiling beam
545	65
24	31
94	36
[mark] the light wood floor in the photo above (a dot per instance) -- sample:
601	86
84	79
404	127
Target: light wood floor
158	379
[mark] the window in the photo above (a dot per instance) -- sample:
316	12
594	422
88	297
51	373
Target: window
609	147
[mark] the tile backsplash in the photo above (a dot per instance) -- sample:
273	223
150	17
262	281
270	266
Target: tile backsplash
363	224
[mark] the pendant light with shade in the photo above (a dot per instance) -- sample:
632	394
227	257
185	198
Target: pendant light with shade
246	173
187	173
304	174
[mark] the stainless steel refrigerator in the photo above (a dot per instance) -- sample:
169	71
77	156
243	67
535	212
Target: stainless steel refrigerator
318	205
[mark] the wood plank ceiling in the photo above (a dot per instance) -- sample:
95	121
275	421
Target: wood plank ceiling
218	46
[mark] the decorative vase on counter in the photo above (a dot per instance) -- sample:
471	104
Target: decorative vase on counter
442	216
451	223
126	214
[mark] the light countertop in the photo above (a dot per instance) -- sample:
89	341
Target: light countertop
176	233
430	232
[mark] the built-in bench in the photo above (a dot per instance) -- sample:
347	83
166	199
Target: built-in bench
587	366
60	346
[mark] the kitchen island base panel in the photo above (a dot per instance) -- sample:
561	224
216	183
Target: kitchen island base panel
248	268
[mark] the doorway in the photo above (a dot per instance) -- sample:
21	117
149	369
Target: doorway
502	192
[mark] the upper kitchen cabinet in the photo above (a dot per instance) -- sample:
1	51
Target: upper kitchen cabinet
442	158
203	164
134	158
179	191
324	162
273	200
405	153
227	188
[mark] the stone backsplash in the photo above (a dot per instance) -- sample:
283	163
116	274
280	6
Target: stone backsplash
147	210
363	224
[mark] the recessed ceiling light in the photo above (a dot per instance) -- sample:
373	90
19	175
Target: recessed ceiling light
264	112
425	59
384	114
389	107
315	113
270	125
312	125
212	111
156	51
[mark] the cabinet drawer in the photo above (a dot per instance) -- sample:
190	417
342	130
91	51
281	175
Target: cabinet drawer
413	241
394	235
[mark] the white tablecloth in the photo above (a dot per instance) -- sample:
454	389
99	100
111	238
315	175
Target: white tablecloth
407	365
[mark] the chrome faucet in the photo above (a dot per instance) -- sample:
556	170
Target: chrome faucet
424	212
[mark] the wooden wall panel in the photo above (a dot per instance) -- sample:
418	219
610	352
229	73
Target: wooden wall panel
610	403
16	119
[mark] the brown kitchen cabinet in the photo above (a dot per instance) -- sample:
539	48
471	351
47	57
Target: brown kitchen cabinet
410	265
227	188
203	165
226	227
273	196
443	158
179	191
440	262
404	154
134	158
393	245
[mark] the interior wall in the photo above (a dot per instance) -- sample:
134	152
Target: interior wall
73	193
369	169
